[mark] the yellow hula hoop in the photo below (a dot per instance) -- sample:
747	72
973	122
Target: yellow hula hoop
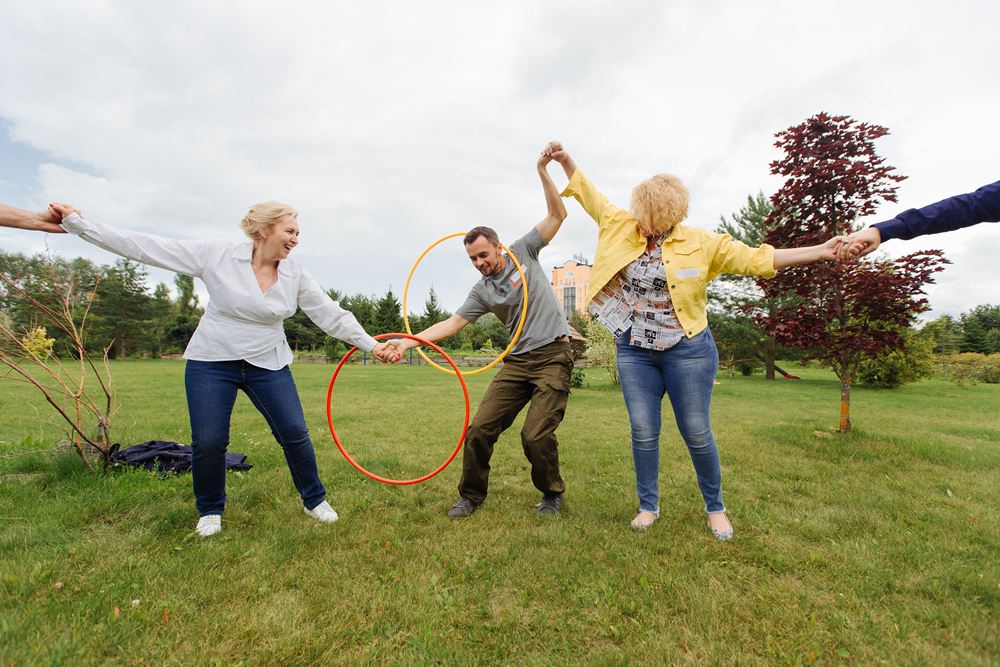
520	324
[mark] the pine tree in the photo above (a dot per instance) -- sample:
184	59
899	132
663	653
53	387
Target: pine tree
946	333
988	316
162	309
387	315
433	312
993	341
740	297
187	298
123	312
973	336
363	309
186	312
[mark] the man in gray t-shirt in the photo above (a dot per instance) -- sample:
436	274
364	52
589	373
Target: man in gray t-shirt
538	369
501	294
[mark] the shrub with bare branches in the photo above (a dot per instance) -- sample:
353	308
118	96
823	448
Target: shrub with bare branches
79	391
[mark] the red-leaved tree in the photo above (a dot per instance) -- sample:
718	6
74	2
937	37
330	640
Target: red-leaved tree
845	312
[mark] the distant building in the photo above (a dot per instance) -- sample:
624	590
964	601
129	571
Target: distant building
570	282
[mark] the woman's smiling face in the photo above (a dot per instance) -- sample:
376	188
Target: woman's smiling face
281	238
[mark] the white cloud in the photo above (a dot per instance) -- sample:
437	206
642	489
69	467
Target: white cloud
391	124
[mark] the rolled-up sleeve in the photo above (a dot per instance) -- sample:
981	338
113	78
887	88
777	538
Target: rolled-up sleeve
329	316
732	256
187	257
593	202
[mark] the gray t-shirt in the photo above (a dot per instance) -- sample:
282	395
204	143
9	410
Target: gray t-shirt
501	295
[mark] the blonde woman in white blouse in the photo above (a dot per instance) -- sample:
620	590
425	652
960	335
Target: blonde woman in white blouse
240	341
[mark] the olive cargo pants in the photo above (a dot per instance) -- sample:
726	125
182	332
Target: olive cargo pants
541	377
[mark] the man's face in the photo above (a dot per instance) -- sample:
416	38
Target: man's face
485	257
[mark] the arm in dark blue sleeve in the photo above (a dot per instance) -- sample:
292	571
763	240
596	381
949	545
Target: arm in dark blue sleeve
949	214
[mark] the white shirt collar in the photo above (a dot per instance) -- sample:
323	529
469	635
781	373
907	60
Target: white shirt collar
244	253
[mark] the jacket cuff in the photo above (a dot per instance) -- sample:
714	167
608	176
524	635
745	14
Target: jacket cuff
573	187
768	261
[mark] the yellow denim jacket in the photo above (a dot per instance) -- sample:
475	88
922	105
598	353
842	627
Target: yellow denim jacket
692	257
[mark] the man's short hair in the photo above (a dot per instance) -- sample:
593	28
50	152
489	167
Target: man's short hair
486	232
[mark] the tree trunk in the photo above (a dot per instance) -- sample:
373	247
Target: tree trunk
845	405
769	359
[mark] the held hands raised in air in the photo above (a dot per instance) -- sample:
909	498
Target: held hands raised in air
548	154
554	151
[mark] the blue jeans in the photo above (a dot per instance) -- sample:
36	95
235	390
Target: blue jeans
686	372
211	393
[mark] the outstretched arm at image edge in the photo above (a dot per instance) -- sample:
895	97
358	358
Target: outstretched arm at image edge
20	219
947	215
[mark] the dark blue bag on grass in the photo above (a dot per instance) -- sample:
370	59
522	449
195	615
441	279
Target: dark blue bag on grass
167	457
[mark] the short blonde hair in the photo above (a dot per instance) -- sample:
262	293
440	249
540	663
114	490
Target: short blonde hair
659	203
263	215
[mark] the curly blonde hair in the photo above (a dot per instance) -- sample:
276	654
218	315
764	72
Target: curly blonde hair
263	215
659	203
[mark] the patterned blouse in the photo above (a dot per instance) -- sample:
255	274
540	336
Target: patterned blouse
638	298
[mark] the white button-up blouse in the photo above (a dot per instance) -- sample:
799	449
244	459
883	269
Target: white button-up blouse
240	321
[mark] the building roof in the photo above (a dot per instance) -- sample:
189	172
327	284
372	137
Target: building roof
572	261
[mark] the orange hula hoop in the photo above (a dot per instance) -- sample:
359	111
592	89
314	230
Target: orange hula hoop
358	466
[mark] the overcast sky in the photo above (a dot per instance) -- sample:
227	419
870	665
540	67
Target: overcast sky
391	124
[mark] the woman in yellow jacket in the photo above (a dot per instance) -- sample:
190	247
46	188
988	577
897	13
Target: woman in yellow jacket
648	287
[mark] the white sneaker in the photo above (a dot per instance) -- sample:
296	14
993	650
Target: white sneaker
322	512
644	519
209	525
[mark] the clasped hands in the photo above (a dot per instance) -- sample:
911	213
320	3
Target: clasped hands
398	347
850	247
59	211
552	151
387	352
858	244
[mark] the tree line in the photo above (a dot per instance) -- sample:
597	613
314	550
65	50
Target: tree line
132	320
135	321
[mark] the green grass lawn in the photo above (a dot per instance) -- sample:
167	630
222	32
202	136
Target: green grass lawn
876	547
